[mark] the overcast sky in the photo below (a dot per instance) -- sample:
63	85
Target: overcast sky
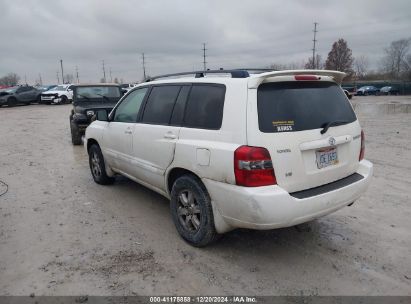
36	34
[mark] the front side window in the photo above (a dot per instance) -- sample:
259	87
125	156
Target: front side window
160	104
128	109
22	90
205	106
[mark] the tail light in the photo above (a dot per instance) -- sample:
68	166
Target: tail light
253	167
362	150
306	77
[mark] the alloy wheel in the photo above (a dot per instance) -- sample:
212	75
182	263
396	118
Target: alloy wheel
95	165
189	213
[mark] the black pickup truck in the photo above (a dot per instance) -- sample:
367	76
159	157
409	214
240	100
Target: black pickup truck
87	99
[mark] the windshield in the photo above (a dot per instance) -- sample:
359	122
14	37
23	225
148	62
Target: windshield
11	90
60	88
97	92
298	106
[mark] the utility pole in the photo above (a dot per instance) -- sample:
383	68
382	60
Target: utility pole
40	80
104	72
62	73
204	57
314	41
111	77
78	81
144	66
25	79
58	78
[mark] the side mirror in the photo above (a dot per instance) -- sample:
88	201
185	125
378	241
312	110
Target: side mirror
124	91
102	115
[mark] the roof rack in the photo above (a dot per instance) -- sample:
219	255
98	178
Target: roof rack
237	73
256	79
258	69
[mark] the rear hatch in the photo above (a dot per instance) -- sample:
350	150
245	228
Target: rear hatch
290	117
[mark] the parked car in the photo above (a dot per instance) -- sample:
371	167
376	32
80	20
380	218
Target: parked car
19	95
127	85
389	90
348	94
349	91
60	94
367	90
86	100
259	151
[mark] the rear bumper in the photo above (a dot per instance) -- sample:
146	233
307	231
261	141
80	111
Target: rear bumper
272	207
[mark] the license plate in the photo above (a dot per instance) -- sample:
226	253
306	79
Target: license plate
326	157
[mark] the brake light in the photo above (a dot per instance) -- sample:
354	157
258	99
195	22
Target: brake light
253	167
362	150
306	77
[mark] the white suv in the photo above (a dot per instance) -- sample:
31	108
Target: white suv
62	93
258	151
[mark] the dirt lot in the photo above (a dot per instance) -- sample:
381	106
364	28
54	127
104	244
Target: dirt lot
61	234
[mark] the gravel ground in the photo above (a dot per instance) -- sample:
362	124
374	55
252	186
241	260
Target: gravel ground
61	234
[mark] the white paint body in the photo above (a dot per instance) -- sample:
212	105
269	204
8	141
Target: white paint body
146	153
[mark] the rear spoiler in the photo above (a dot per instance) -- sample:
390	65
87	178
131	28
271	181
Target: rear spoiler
257	79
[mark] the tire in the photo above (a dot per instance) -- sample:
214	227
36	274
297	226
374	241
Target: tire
192	212
63	99
75	134
11	102
97	166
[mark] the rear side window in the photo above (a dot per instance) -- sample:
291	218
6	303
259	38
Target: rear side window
178	111
297	106
205	106
160	105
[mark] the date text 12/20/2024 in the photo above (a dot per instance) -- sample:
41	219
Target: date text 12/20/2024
204	299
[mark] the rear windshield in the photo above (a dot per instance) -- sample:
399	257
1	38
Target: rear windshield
297	106
97	92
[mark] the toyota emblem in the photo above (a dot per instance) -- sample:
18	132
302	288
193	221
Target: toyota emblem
332	141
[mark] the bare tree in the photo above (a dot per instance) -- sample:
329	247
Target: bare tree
69	78
361	66
286	66
395	60
318	64
340	57
11	79
277	66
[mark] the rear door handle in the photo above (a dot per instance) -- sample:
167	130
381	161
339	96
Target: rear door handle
128	131
170	135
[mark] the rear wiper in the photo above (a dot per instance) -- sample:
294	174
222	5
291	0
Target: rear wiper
86	97
332	123
105	97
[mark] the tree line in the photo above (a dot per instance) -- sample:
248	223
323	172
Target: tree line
394	65
11	79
